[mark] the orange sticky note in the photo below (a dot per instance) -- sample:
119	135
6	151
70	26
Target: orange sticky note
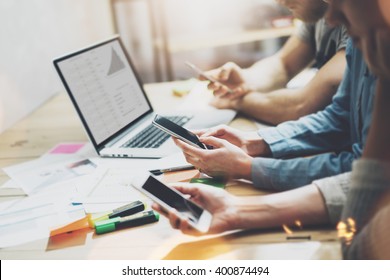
79	224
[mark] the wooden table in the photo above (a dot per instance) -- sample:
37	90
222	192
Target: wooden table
56	121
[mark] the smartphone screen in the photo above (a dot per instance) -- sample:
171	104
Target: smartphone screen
186	207
177	131
169	198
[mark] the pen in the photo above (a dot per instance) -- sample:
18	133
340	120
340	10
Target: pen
299	237
126	210
171	169
139	219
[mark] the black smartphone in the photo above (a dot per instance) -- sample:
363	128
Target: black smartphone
168	198
178	131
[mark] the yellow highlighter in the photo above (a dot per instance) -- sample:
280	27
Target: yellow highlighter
126	210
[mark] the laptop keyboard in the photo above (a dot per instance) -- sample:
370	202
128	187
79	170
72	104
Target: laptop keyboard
153	137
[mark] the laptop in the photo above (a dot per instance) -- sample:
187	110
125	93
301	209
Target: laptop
110	100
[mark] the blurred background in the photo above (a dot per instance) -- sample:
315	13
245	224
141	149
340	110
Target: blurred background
158	34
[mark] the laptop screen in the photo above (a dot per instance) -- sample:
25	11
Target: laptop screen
104	88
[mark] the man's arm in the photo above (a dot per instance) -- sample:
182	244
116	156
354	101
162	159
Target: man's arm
276	71
304	204
290	104
267	211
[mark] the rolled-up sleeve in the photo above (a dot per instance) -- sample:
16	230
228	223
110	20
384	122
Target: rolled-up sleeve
334	191
370	181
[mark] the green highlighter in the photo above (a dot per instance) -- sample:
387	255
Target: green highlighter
113	224
209	181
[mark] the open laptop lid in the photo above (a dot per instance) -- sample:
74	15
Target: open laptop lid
105	89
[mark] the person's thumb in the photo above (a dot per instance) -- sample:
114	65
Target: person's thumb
212	141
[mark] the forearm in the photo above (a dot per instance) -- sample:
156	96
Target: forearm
275	71
287	104
266	75
304	204
274	107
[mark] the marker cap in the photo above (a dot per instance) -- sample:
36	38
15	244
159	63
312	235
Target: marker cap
106	225
129	209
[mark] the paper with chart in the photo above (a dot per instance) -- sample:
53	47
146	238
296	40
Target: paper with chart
32	218
113	190
44	173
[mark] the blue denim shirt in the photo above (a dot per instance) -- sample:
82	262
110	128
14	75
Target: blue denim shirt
325	143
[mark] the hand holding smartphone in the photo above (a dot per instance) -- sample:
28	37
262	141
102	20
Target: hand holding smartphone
169	198
178	131
207	77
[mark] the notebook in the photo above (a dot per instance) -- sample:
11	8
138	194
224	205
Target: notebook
109	98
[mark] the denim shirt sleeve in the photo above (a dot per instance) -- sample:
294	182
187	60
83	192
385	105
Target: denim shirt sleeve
327	130
281	175
319	134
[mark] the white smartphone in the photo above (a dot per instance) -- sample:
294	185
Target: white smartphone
169	198
204	75
178	131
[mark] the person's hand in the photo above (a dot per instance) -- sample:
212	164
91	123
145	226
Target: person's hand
376	48
226	103
250	143
224	160
231	81
217	201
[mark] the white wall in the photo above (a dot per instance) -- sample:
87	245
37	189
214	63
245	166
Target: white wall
32	33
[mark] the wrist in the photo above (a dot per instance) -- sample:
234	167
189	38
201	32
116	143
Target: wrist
245	168
253	212
256	146
233	214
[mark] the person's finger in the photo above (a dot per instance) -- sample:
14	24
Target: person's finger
186	188
225	71
186	228
189	149
222	92
160	210
199	131
237	92
214	86
213	141
217	131
214	73
174	219
224	74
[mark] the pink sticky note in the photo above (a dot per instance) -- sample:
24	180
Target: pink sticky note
66	148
